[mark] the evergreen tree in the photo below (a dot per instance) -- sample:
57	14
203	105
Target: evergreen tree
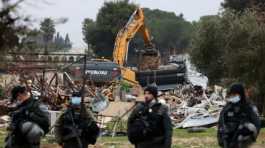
47	29
67	42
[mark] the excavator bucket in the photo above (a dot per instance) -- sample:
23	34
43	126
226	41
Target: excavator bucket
149	59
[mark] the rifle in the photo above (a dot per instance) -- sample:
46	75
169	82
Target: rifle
75	130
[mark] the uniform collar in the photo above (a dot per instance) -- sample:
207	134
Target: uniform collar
152	103
25	102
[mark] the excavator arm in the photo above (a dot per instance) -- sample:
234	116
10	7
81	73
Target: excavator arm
135	24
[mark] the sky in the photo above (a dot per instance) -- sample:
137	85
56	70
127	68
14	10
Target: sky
77	10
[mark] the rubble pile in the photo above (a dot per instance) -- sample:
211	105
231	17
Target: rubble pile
54	89
4	120
149	62
191	106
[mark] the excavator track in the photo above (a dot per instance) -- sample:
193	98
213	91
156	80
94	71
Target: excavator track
162	77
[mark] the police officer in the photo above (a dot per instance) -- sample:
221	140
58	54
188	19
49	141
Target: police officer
76	127
29	121
239	124
149	125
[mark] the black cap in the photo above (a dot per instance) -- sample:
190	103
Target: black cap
76	94
238	89
16	90
152	90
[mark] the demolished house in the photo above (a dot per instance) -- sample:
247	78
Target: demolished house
192	106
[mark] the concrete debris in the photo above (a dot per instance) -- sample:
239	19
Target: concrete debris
198	120
4	107
189	105
99	102
54	89
192	106
149	62
4	120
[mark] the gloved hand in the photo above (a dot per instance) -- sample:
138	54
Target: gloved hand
247	131
251	127
248	128
243	138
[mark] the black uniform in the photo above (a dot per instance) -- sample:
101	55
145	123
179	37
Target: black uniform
76	130
156	132
28	111
239	123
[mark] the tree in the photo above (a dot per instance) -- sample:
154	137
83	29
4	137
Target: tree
32	42
238	5
47	29
100	35
11	24
166	29
88	29
67	42
241	5
231	47
207	49
59	42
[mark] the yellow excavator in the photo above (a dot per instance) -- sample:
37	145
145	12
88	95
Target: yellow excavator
147	71
150	57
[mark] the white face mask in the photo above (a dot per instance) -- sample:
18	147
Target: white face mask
234	99
18	102
76	100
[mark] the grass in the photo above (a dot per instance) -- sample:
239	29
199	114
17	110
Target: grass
181	139
2	137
